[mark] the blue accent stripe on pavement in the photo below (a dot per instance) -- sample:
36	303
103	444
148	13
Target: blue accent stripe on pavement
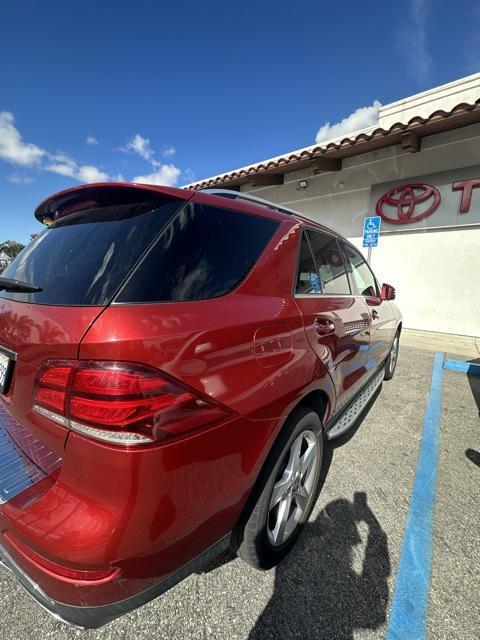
408	617
463	367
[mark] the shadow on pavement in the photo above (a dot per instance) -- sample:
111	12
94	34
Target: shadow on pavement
473	456
474	381
334	580
318	592
326	587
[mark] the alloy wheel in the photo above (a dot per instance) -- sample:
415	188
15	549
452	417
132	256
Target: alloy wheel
294	488
394	354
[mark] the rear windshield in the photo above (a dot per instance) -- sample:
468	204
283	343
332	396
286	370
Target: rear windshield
84	257
203	253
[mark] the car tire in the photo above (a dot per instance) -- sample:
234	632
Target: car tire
284	500
392	359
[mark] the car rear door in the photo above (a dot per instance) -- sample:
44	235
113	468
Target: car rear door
337	322
382	317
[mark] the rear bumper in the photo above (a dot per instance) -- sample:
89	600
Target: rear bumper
93	617
24	460
32	588
155	514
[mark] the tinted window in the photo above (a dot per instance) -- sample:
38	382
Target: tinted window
204	252
83	258
307	277
330	264
363	277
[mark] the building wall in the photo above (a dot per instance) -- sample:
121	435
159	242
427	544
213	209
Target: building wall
436	271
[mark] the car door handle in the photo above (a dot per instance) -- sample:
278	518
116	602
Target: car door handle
324	327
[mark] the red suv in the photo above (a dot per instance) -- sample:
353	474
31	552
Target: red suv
170	364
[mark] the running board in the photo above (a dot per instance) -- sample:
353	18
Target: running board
355	408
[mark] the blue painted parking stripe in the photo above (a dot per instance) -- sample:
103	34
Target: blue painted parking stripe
463	367
408	617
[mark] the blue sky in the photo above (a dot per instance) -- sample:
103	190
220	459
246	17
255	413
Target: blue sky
171	92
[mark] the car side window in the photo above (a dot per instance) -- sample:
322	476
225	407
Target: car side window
307	276
203	252
362	275
329	260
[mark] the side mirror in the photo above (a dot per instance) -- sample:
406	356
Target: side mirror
388	292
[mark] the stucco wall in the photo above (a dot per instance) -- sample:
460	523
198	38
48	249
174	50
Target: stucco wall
437	278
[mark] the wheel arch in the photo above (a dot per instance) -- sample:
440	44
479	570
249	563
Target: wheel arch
316	400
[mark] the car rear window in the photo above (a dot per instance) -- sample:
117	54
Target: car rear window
83	258
204	252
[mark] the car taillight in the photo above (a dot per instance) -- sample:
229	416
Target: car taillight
118	402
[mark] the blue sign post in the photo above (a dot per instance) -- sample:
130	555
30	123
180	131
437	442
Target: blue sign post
371	232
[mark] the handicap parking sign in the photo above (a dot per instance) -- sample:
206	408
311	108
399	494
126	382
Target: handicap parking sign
371	231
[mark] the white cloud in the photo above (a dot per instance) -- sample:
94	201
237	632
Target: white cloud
18	179
168	152
359	119
66	166
141	146
62	164
12	148
90	173
413	41
162	174
62	168
166	175
15	151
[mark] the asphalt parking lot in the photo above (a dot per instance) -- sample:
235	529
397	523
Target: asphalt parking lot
339	582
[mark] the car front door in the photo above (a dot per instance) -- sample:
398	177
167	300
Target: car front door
337	323
382	317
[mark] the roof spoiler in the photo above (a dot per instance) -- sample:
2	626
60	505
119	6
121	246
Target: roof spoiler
72	200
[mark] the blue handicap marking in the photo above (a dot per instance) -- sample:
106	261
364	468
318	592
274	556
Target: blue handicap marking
372	224
371	231
409	612
463	367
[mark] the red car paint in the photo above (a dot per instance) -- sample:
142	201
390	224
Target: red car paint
112	521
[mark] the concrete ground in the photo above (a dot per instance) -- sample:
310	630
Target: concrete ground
464	346
337	583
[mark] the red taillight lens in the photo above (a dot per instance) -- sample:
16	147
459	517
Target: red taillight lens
119	402
118	382
51	399
55	376
117	412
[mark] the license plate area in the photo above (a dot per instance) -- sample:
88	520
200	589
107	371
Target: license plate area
7	363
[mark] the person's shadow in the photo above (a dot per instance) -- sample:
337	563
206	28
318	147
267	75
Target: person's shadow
474	381
319	593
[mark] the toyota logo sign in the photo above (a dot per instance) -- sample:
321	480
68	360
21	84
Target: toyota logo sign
408	203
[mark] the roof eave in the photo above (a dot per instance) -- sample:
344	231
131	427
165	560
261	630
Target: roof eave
461	115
